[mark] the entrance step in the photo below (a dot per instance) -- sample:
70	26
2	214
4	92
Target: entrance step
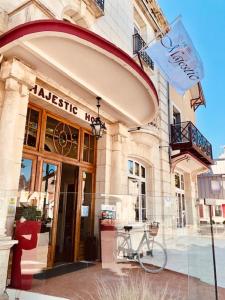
62	269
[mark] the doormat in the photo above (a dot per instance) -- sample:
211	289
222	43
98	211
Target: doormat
63	269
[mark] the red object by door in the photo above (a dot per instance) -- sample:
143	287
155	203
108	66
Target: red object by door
30	228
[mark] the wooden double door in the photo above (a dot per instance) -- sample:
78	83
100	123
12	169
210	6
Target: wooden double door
62	194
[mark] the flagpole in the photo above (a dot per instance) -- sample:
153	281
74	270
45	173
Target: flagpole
161	33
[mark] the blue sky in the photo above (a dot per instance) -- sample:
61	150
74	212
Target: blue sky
205	23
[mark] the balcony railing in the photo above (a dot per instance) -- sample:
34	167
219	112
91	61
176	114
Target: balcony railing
100	3
186	137
138	44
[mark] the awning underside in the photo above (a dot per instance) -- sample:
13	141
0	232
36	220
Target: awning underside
88	70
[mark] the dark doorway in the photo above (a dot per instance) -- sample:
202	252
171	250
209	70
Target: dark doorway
65	238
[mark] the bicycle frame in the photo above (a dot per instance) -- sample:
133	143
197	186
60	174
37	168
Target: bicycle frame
132	252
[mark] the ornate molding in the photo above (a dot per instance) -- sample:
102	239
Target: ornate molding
177	160
19	72
82	12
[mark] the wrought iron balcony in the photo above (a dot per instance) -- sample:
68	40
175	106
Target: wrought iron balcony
100	3
186	137
138	44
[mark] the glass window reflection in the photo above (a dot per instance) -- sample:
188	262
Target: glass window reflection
25	175
31	129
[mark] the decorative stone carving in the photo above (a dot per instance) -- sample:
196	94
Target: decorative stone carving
82	12
17	70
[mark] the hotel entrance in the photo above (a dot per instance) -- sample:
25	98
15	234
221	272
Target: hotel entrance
66	225
56	185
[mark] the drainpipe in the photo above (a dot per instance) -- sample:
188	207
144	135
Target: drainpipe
169	120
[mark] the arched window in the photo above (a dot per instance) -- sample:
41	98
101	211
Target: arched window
137	188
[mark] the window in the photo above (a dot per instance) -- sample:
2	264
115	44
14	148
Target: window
182	181
61	138
88	148
142	172
218	211
201	211
137	169
31	128
130	167
180	200
177	180
137	188
176	116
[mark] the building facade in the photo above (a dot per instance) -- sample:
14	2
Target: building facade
212	186
56	58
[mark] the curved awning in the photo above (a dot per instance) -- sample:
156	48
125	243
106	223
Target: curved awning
188	163
80	60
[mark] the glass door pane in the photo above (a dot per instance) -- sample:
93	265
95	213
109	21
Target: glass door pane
47	200
86	208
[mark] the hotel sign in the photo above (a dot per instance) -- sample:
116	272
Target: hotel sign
62	104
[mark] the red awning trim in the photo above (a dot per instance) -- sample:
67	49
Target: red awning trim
75	30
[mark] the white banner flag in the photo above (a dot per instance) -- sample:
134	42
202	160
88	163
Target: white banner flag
176	56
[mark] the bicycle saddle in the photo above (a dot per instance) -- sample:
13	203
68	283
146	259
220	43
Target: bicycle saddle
128	228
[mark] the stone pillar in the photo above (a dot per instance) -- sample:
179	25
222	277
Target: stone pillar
119	159
18	79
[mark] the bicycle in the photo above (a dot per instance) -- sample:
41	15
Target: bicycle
150	254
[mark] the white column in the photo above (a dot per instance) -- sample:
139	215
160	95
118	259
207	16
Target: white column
17	79
119	159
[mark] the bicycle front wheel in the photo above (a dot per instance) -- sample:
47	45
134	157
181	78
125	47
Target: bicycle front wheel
121	251
152	257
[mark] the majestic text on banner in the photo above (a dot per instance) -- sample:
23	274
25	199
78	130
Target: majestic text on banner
176	56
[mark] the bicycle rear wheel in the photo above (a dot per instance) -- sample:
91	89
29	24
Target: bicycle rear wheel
152	257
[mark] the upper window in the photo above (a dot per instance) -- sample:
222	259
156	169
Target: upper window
31	129
61	138
136	169
88	148
46	132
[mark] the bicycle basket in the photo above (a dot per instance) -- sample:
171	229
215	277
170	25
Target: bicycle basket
153	229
